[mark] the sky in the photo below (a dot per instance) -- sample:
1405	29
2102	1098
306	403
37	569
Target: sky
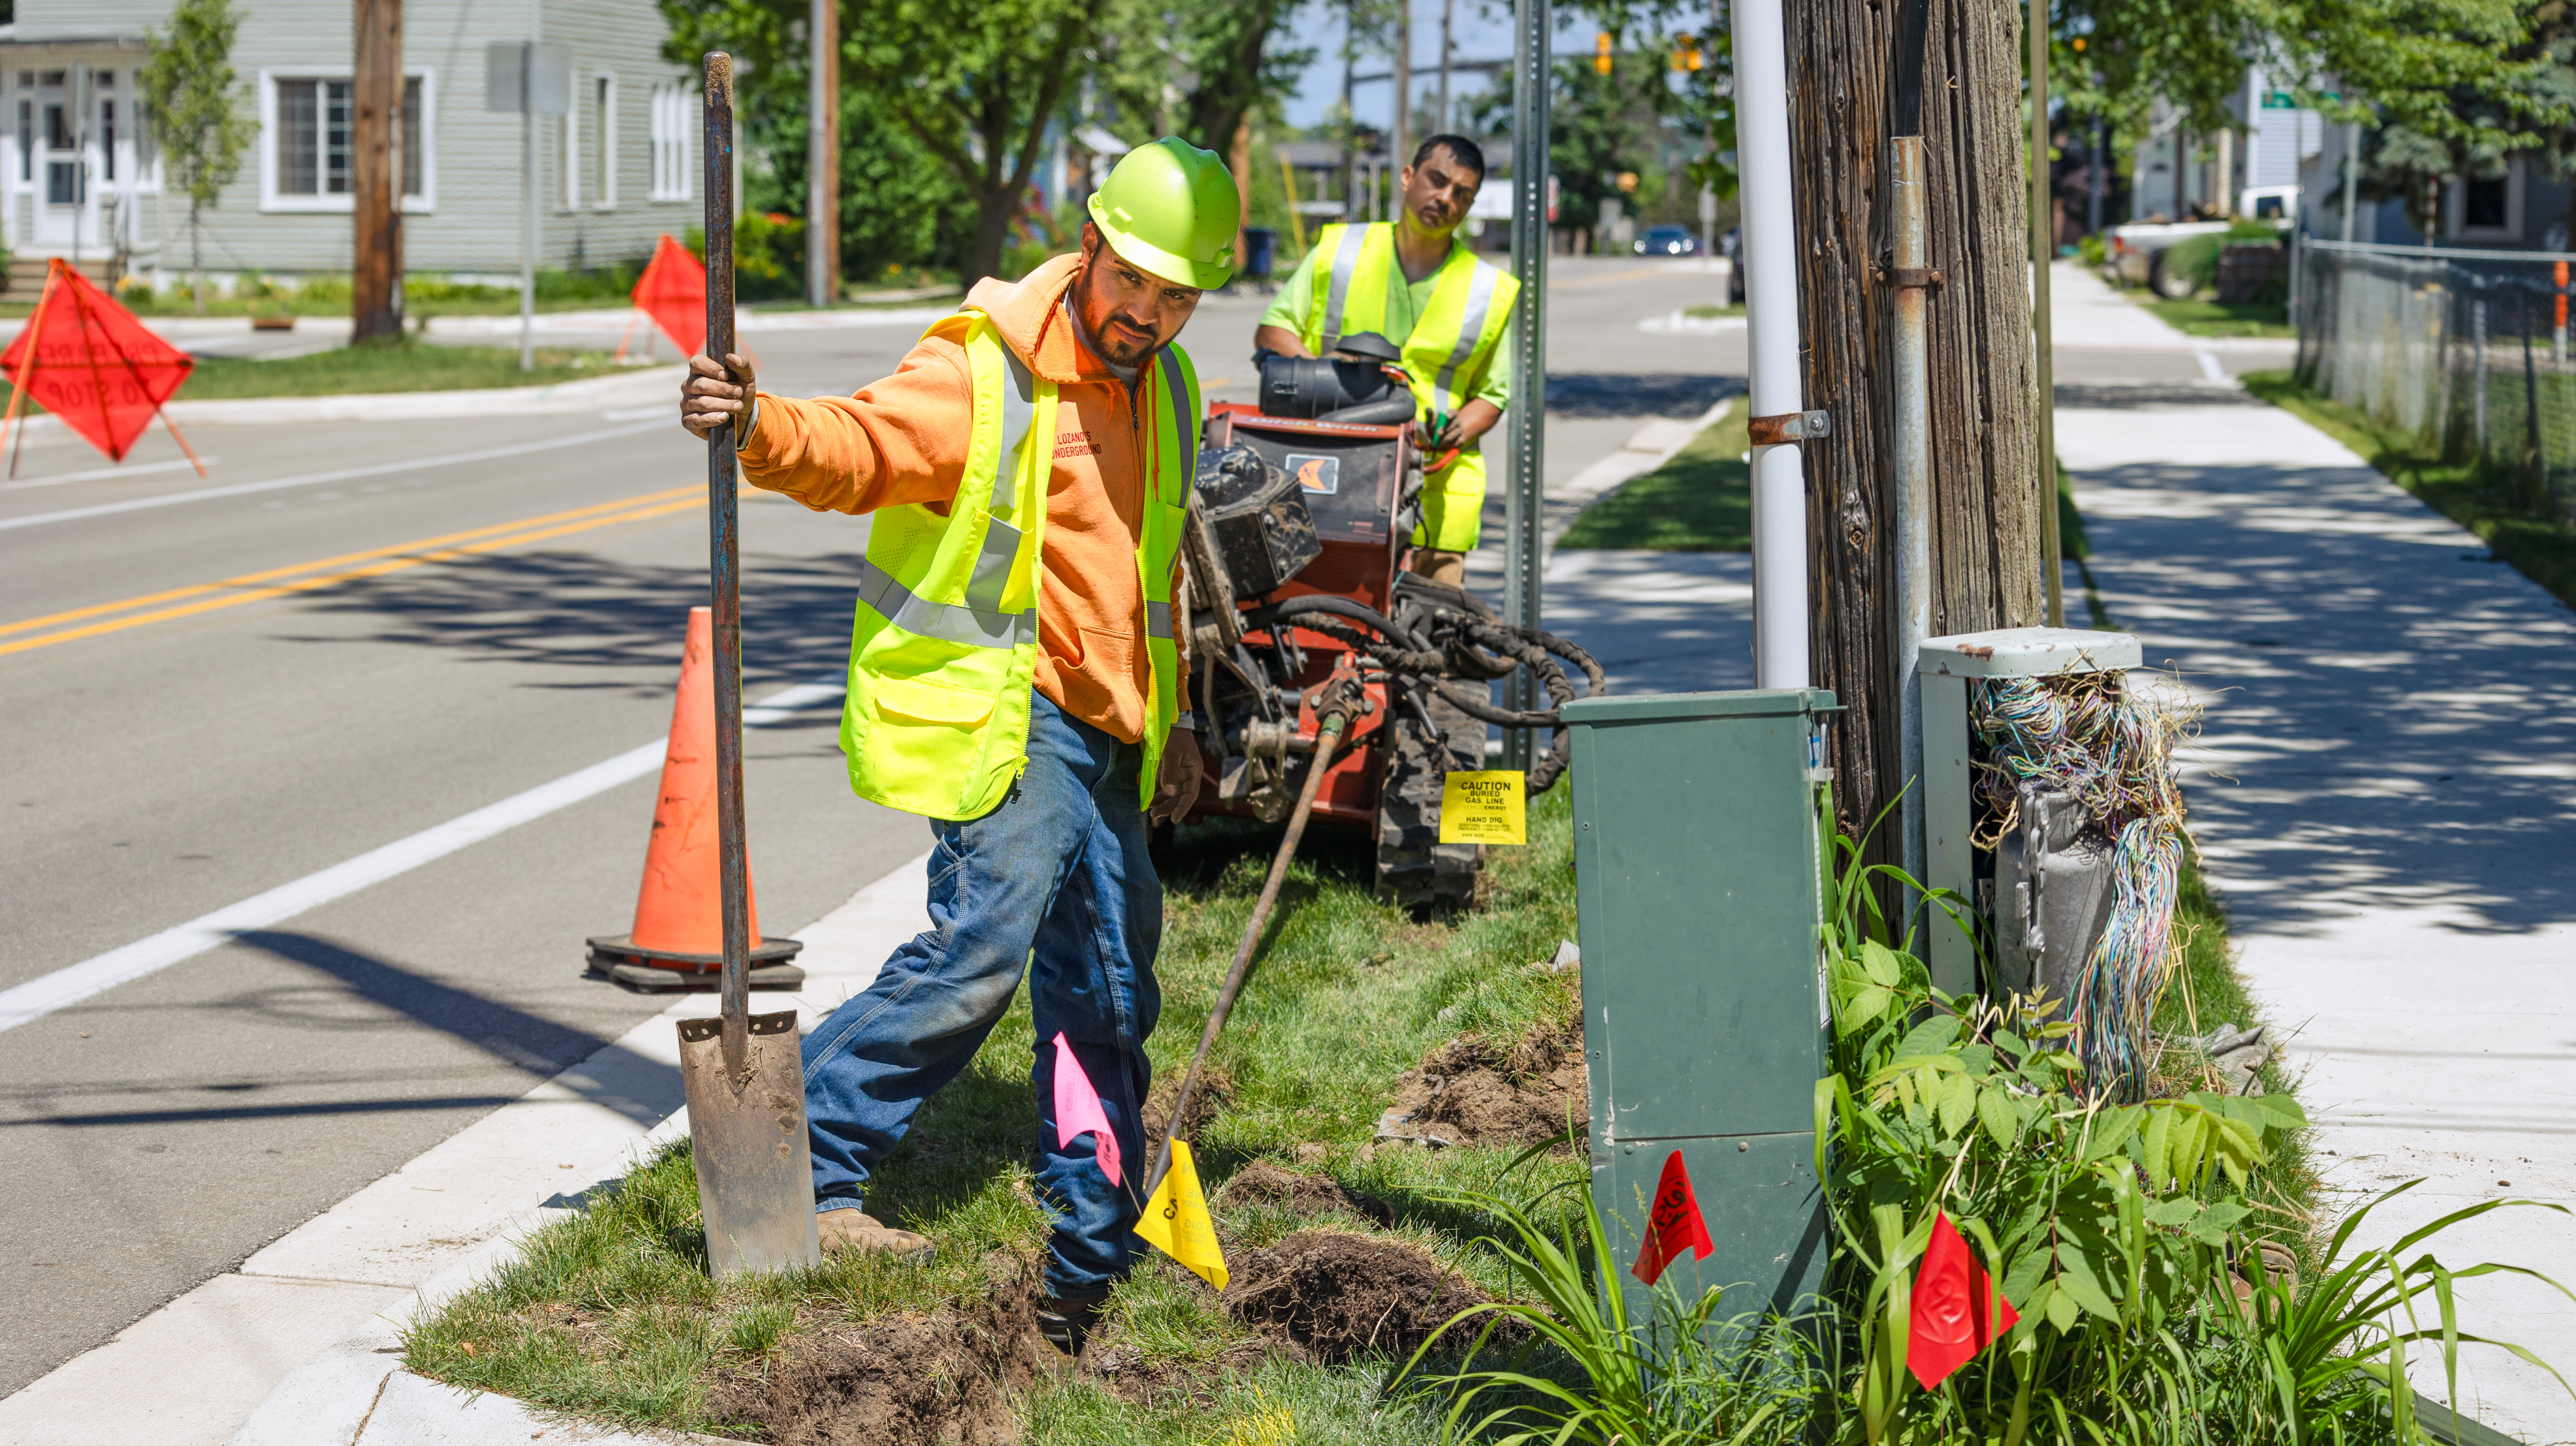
1478	31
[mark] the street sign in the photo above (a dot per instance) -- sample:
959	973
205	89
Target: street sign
526	77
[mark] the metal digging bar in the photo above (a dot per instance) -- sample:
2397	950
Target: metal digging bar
1337	701
745	1081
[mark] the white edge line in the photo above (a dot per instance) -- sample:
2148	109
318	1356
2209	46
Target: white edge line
144	469
309	479
75	982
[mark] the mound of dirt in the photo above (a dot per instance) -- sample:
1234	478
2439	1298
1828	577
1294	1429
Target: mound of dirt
1206	1102
938	1380
1478	1091
1263	1183
1338	1294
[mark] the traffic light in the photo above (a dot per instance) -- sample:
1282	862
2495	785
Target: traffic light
1686	53
1601	52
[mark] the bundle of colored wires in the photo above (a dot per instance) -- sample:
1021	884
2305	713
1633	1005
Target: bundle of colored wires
2086	735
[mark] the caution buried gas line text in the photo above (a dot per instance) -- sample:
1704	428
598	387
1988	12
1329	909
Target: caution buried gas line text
1489	807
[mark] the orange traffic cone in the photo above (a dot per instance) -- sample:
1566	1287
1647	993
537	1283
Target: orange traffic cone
678	938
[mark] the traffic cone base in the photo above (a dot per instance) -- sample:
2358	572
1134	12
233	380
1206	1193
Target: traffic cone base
679	911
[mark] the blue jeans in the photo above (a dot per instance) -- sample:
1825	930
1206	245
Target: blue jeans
1056	875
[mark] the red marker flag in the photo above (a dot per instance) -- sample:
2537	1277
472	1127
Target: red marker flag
673	291
90	362
1957	1310
1674	1224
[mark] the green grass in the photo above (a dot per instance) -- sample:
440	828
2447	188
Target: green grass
1710	313
611	1313
414	367
2198	317
1700	500
2481	501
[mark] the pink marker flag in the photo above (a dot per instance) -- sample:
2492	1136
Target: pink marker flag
1077	1108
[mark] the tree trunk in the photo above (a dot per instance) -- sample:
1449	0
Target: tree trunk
375	275
1986	478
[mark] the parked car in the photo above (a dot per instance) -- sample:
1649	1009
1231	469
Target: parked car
1668	241
1731	246
2137	250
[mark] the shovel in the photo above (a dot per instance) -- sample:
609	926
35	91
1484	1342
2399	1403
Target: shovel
745	1081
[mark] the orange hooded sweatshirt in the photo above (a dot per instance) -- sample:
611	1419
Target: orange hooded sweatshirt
904	439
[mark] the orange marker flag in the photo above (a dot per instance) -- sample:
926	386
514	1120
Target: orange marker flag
673	291
1673	1226
1957	1310
92	363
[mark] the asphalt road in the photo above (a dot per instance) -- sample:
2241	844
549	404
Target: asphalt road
489	607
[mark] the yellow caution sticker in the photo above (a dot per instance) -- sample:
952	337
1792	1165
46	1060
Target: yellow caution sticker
1176	1220
1484	808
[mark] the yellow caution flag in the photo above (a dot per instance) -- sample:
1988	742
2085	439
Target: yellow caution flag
1176	1220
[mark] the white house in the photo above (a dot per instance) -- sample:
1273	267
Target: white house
80	178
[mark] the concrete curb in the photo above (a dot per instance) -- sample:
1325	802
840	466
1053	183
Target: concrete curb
296	1347
636	388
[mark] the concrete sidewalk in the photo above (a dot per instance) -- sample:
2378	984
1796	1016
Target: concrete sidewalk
2384	789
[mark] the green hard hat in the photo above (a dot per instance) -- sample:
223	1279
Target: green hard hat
1172	209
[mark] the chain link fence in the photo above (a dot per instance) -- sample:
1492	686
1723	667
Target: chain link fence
2467	350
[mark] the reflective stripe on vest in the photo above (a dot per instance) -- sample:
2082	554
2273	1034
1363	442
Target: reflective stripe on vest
1346	259
1480	302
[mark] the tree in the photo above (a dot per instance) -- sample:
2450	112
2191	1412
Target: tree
198	124
900	206
977	84
1221	56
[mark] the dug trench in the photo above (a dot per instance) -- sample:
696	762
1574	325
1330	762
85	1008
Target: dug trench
1326	1292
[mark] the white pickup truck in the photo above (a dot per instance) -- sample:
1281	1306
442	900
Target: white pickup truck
2137	250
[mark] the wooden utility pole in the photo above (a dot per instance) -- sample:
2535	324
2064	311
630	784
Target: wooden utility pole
376	179
823	158
1858	77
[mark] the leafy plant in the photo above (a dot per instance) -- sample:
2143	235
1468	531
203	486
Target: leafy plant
1685	1378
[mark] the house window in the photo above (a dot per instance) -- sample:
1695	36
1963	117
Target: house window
671	115
603	145
2483	208
413	176
313	137
312	141
107	137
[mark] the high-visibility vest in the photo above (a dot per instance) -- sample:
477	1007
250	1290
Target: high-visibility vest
1447	355
945	644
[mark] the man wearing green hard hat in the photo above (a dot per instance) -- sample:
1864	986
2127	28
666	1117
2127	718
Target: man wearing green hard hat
1013	679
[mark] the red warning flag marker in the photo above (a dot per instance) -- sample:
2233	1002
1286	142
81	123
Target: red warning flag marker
673	291
92	363
1957	1310
1673	1226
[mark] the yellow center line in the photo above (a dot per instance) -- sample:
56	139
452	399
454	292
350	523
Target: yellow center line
252	578
386	560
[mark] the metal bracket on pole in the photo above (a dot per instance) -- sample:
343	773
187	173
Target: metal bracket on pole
1912	278
1789	428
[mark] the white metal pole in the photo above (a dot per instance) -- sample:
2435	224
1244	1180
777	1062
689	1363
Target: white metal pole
527	207
1913	377
1770	254
2351	174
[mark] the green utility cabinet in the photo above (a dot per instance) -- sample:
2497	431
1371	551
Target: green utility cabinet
1699	877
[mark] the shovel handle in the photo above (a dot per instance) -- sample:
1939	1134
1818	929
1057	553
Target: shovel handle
724	592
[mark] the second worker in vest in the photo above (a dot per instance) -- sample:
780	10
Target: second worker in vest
1414	282
1013	678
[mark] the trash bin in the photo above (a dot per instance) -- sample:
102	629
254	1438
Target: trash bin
1699	887
1260	246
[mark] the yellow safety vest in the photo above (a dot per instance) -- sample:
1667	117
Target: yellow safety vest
1447	356
945	644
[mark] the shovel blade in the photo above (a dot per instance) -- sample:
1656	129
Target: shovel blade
747	1133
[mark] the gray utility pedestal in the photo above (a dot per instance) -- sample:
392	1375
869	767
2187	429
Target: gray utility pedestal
2047	885
1699	877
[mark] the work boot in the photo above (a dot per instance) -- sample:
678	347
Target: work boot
849	1230
1066	1323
